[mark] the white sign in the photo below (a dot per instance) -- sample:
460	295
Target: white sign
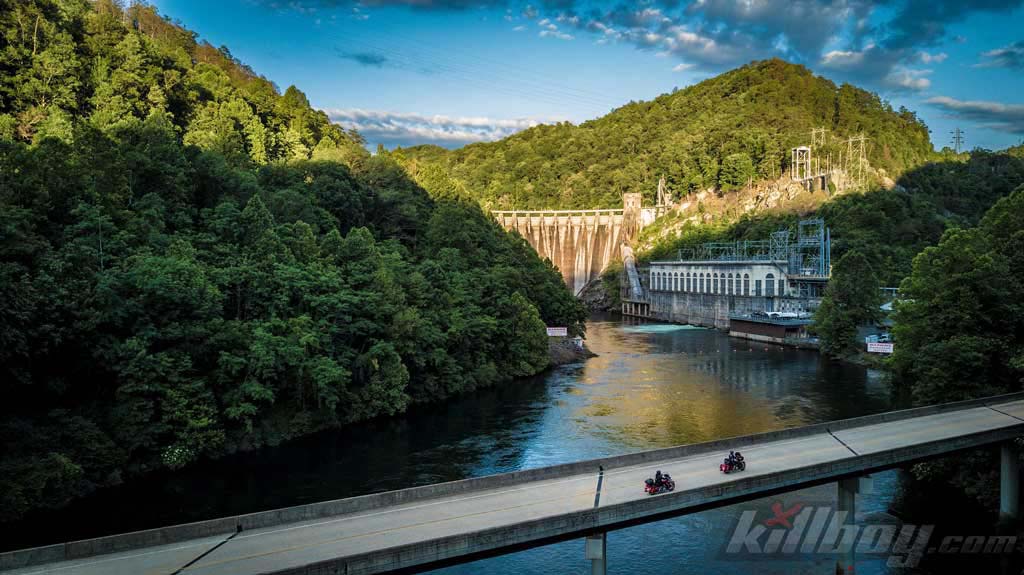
879	347
558	332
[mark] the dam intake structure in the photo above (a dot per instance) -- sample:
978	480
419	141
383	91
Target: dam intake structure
580	243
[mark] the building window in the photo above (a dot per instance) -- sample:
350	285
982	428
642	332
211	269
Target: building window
769	285
688	286
757	288
746	284
714	286
675	281
701	290
730	287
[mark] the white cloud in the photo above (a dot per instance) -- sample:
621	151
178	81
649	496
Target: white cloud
936	58
519	28
406	129
901	78
556	34
840	59
683	67
550	30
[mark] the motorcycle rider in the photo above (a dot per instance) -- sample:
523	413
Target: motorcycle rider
658	479
732	458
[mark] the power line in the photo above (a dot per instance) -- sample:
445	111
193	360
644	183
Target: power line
482	79
508	82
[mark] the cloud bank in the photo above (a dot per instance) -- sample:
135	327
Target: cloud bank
1007	118
406	129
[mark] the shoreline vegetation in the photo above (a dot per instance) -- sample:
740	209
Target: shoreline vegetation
196	263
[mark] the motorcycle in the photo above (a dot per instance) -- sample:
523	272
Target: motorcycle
728	466
667	484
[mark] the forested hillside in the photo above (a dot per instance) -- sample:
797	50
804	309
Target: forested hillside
721	133
193	262
889	227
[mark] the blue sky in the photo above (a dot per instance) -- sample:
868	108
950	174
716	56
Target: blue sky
451	72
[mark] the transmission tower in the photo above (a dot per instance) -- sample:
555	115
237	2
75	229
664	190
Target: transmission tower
856	157
818	137
663	199
958	139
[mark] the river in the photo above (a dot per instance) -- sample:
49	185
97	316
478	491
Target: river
652	385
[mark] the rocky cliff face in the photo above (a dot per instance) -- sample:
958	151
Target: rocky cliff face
767	197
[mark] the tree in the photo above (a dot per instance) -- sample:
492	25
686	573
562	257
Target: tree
181	281
737	171
958	329
852	299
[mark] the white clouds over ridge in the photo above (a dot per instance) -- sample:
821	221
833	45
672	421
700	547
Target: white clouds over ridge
394	128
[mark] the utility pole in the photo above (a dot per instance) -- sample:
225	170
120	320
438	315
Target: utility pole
958	139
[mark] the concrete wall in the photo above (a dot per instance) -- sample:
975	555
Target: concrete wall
580	243
438	550
706	310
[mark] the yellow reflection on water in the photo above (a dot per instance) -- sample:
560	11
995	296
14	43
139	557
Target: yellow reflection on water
682	388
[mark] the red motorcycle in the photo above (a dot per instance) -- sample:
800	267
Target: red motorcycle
730	465
667	484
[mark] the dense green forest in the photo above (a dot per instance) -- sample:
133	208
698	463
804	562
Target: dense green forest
193	262
959	331
720	133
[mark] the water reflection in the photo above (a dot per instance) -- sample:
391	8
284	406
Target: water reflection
651	386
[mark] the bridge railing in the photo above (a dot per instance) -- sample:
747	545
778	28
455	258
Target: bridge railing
177	533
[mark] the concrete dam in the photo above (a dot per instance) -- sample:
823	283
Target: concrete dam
580	243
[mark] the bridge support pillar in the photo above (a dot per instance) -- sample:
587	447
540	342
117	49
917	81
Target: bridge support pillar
597	552
846	501
1009	483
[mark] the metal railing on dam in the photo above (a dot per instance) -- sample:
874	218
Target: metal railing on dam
433	525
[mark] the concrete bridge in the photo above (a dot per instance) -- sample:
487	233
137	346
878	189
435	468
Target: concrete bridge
434	525
580	243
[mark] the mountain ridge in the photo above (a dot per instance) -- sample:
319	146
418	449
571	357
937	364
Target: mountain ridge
719	134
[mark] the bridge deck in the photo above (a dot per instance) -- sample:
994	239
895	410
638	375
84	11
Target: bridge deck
428	530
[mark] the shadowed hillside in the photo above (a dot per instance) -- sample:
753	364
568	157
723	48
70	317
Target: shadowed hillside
194	263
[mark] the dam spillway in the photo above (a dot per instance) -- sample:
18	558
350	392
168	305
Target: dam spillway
580	243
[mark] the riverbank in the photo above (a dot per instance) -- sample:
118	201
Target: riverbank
564	350
651	386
